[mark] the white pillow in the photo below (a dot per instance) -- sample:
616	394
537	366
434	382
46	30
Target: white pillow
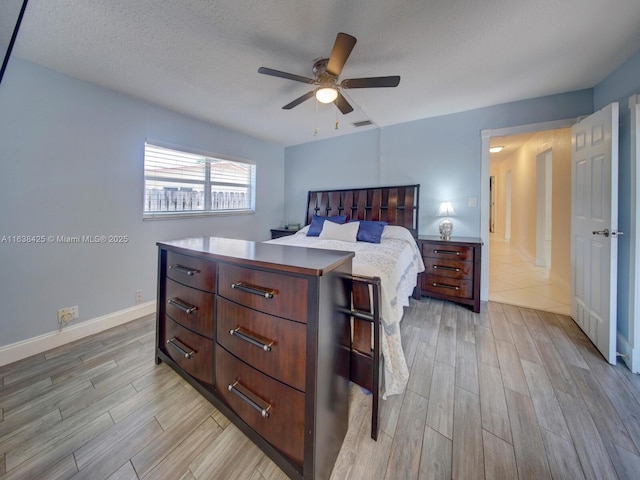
347	232
397	232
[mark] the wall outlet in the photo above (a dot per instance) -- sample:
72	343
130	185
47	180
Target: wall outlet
65	315
138	296
473	201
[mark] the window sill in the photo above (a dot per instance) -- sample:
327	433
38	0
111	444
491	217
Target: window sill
176	215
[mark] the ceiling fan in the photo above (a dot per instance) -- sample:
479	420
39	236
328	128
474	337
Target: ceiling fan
327	71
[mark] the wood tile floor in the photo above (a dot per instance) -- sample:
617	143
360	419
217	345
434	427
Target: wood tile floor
505	394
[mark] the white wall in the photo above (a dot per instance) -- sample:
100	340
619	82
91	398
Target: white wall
71	156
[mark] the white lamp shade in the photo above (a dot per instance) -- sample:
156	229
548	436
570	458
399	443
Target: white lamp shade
326	94
446	210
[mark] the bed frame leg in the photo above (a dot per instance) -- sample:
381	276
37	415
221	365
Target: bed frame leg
365	368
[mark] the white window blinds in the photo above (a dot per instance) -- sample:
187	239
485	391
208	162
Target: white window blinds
183	183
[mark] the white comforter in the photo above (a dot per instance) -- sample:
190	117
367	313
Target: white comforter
397	261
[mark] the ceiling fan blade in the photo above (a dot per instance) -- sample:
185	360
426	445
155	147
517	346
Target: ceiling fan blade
288	76
371	82
342	104
299	100
340	52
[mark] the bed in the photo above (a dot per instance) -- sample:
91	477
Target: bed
395	261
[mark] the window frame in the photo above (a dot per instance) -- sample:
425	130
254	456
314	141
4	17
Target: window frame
207	183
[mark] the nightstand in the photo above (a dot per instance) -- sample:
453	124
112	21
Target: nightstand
281	232
452	269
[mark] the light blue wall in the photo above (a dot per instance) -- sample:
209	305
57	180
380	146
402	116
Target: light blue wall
442	154
348	161
618	87
72	164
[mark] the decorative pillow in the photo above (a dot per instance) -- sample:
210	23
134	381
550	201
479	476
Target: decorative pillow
346	232
317	222
370	231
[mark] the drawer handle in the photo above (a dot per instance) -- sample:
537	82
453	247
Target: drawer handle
235	389
443	285
243	334
183	351
254	289
186	270
450	269
182	306
447	252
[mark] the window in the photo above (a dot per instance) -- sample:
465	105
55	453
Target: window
181	183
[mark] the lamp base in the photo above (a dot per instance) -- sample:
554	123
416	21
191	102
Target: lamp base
446	229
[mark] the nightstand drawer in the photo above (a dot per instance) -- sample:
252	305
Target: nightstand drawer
267	343
447	286
267	292
191	271
192	352
447	252
448	268
271	408
190	307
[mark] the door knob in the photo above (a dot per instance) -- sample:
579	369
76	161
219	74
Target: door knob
604	232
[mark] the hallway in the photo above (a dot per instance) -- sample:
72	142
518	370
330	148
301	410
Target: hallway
516	281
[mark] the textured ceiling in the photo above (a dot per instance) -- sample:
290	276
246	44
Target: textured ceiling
200	57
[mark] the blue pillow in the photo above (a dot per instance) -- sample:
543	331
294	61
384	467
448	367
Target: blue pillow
370	231
316	224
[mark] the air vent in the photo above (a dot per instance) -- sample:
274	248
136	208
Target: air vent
363	123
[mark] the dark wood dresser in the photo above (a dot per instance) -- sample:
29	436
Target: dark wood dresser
452	269
255	328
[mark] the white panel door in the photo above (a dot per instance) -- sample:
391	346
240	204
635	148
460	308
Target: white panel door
594	228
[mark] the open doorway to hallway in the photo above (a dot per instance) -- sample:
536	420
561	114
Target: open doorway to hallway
529	254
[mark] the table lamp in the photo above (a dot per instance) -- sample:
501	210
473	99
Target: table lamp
446	226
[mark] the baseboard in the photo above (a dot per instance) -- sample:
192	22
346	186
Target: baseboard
630	356
33	346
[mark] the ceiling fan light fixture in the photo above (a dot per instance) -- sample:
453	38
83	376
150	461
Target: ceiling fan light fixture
326	94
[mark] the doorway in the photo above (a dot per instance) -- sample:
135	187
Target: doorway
527	266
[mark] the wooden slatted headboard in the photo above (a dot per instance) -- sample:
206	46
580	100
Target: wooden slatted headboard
397	205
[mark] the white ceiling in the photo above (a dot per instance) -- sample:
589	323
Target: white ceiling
200	57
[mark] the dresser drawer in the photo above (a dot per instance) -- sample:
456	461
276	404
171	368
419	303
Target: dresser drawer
191	271
253	393
190	307
273	293
270	344
447	286
192	352
448	268
449	252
